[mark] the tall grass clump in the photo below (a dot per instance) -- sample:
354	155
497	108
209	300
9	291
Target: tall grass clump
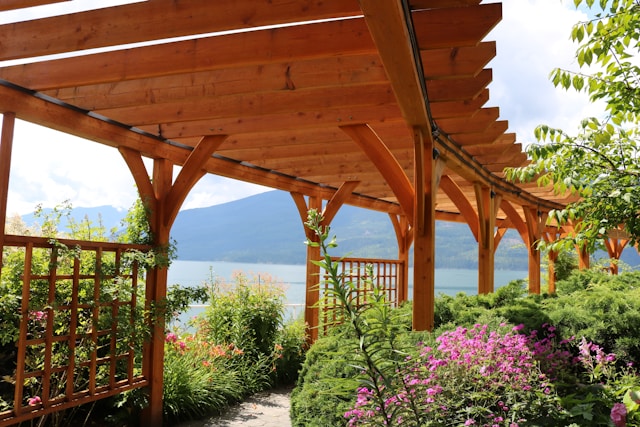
240	345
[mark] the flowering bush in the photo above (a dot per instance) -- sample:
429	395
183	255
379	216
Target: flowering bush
473	377
201	378
239	346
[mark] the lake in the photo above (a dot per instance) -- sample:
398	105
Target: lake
193	273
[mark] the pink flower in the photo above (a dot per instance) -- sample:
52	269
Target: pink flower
171	337
34	400
619	415
182	345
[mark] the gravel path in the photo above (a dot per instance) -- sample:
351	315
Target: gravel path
266	409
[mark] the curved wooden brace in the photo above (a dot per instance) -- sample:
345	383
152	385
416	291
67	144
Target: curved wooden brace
303	209
139	172
385	162
338	199
535	223
402	228
192	171
501	231
515	219
456	195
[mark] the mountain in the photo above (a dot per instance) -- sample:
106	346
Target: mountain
266	228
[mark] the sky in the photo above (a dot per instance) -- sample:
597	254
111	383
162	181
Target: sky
533	38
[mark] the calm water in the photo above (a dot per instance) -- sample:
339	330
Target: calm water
193	273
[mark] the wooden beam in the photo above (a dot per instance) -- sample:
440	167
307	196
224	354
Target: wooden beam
385	162
456	26
255	48
76	123
293	120
20	4
140	175
458	89
343	71
256	104
488	136
477	123
535	220
465	61
457	108
388	29
143	21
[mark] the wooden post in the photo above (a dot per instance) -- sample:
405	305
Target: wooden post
535	220
487	211
163	199
424	231
157	291
404	237
6	146
583	257
615	246
312	278
550	237
553	257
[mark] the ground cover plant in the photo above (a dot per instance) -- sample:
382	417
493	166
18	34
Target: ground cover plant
495	360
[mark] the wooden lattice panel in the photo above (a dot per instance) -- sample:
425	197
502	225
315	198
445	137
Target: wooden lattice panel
79	338
357	272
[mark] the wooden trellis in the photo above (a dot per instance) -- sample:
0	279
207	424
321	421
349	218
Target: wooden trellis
79	337
365	274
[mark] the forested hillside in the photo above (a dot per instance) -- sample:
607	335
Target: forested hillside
266	228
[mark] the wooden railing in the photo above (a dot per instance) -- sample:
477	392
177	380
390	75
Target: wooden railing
79	324
386	276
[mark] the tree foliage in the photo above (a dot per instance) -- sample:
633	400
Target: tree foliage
600	163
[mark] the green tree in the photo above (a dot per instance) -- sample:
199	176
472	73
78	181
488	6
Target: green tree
600	163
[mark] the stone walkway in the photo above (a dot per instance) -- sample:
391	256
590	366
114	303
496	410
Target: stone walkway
266	409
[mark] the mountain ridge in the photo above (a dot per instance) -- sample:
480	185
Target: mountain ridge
266	228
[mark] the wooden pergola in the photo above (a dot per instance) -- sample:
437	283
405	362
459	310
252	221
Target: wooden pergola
376	104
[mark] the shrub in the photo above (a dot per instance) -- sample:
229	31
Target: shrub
248	314
602	308
239	346
326	383
528	375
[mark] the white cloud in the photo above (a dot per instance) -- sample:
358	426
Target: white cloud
533	38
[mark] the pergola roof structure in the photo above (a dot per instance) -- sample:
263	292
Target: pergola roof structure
380	104
310	94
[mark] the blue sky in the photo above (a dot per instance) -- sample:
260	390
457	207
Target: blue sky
533	38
